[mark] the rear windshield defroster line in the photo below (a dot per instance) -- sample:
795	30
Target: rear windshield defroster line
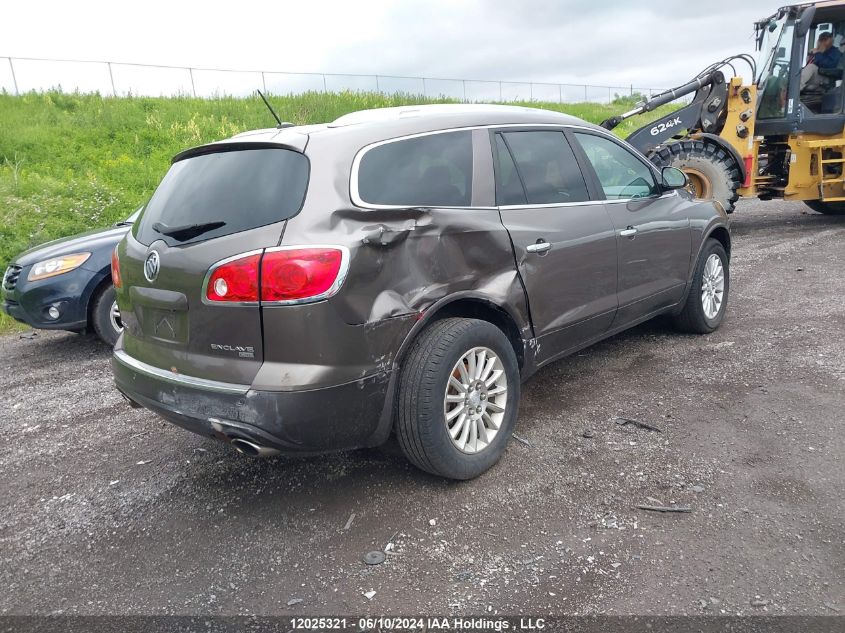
233	190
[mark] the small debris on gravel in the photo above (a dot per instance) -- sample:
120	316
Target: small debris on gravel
349	522
294	601
697	488
588	433
637	423
432	522
521	440
759	602
374	558
369	595
664	508
32	334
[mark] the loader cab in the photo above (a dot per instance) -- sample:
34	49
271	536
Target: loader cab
784	44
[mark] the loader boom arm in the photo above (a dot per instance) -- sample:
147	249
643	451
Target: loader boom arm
705	113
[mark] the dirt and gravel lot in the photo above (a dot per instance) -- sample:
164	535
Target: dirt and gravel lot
108	510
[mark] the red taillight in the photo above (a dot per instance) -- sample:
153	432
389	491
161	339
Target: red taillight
287	275
300	273
116	281
236	280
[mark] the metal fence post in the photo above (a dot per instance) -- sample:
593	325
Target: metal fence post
464	81
559	93
425	92
378	89
325	87
263	82
500	91
193	88
14	78
585	92
531	91
111	76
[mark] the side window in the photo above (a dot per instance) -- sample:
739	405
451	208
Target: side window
546	166
508	186
621	174
433	170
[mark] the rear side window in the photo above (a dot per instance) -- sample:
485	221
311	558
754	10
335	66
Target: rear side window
226	192
546	167
432	171
621	174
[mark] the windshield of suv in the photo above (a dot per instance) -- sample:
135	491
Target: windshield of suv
225	192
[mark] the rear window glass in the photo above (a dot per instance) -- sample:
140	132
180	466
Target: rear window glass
432	171
217	194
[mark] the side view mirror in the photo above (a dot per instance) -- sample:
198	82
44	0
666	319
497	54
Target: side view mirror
673	178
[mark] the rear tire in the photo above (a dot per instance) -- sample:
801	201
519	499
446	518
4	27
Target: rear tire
712	171
105	321
699	316
427	390
827	208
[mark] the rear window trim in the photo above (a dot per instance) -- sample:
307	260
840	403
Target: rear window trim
493	128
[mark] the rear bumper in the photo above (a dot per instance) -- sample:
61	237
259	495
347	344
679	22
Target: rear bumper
351	415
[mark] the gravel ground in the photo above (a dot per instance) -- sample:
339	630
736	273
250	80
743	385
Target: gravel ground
109	510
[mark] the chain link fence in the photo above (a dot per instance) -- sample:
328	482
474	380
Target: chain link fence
25	74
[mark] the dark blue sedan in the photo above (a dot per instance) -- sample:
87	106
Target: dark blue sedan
66	284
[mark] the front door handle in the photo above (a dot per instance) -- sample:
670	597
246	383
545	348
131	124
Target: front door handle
539	247
629	232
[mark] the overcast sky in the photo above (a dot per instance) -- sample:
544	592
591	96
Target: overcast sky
606	42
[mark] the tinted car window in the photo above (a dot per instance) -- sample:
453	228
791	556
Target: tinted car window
547	167
621	174
508	186
431	170
241	189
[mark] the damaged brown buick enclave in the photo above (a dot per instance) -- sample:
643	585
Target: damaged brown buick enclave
317	288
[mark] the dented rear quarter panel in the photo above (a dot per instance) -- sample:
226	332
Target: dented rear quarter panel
405	264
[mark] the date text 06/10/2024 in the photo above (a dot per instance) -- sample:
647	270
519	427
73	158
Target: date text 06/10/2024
477	624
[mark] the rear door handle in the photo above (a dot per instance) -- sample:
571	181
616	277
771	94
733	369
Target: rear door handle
539	247
629	232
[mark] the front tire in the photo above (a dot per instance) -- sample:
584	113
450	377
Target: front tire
458	398
711	170
827	208
707	300
105	316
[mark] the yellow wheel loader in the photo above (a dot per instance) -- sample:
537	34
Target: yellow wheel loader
779	137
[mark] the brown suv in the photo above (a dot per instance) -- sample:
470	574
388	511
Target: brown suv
316	288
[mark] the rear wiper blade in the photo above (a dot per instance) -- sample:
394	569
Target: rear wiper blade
188	231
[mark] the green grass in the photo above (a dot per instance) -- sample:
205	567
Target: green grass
71	162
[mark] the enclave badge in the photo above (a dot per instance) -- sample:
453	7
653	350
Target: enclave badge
151	266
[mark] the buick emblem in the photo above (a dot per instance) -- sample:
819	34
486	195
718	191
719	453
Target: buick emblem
151	266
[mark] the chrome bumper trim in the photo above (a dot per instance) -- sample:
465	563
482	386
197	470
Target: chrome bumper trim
178	379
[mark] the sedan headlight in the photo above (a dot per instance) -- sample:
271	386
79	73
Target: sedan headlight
57	266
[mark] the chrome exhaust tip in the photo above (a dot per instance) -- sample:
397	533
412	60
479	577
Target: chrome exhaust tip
245	447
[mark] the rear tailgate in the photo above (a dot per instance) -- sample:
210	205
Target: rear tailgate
218	203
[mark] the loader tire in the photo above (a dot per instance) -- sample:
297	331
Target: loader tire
828	208
712	171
